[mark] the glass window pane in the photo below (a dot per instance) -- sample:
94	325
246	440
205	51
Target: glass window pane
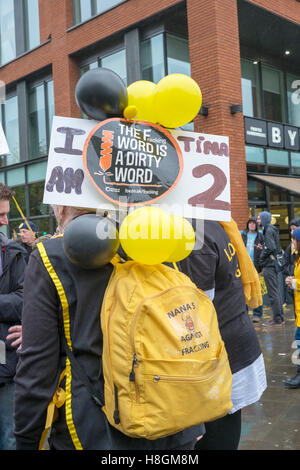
295	160
86	68
7	31
256	190
37	122
82	10
103	5
32	25
277	157
280	214
273	94
250	89
278	194
36	172
117	63
178	55
36	194
2	177
293	93
16	176
255	155
296	211
20	197
11	129
152	59
50	99
2	157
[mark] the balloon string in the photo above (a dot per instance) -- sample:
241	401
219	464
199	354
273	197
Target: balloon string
175	266
22	215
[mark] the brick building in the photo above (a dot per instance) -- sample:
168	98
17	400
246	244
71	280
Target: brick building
241	53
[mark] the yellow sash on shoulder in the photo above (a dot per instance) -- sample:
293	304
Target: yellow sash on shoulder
249	275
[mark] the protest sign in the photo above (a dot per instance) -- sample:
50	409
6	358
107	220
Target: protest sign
117	162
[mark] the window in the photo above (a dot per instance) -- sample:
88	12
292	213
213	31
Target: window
36	175
28	184
152	58
293	95
250	89
255	155
31	22
18	32
7	31
85	9
86	68
278	161
256	190
155	65
277	157
277	194
10	122
178	58
295	163
40	110
273	94
115	62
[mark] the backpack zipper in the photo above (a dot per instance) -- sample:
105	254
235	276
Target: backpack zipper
170	378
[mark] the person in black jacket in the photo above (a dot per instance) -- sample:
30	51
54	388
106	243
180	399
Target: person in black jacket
267	260
12	271
214	268
81	424
254	240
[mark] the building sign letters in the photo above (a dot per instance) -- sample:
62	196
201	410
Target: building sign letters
272	134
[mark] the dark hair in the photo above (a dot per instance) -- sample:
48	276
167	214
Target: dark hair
5	192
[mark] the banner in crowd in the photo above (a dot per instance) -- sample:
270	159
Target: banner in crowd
116	163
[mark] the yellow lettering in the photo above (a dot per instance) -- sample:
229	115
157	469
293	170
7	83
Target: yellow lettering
231	253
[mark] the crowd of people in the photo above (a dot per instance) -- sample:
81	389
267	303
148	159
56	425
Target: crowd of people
31	311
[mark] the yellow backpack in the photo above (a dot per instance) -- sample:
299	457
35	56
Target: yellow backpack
165	366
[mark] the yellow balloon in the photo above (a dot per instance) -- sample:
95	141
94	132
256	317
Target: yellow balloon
185	237
177	100
130	112
140	95
146	235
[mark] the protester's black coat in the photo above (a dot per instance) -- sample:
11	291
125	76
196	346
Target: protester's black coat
11	299
271	246
42	359
215	267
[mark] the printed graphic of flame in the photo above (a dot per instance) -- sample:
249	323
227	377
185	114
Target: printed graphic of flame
106	150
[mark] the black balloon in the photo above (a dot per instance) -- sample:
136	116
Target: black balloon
90	241
101	94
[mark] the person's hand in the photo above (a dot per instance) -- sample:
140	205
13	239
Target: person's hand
16	334
289	281
259	246
199	437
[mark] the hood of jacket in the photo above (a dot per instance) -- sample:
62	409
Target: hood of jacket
295	222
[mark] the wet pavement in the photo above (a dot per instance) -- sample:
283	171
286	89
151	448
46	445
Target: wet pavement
273	423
